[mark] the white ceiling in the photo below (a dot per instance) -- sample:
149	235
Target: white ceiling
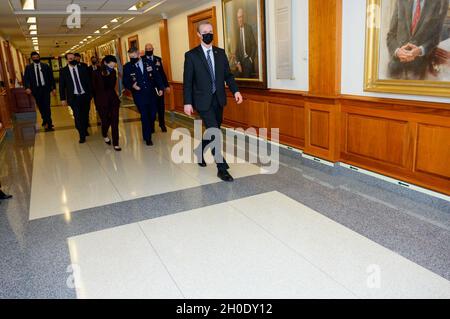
55	37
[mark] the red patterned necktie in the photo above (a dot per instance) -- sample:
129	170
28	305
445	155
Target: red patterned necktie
416	17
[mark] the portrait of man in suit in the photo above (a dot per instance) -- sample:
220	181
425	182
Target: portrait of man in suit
243	38
246	47
413	38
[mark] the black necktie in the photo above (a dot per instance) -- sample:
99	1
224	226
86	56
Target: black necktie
38	74
77	81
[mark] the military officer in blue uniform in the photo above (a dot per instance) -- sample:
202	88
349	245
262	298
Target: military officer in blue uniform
141	78
157	61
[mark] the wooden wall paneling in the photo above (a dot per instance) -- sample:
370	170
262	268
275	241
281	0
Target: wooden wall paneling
5	95
405	142
433	150
325	37
322	136
381	139
9	64
165	55
291	122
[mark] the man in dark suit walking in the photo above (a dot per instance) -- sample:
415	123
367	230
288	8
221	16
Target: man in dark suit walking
39	81
206	70
246	48
414	33
157	61
75	90
141	78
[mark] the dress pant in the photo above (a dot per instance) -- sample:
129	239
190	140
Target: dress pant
161	111
80	107
148	112
42	97
212	118
109	115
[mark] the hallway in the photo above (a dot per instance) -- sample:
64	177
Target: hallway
333	115
135	225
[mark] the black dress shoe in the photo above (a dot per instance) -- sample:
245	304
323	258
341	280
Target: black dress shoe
225	176
202	164
82	140
4	196
117	148
149	142
49	129
164	129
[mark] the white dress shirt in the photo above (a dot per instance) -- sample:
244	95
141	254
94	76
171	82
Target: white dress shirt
243	41
38	72
140	65
75	69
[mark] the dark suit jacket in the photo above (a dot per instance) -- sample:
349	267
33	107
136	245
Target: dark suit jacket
427	32
105	88
197	79
147	81
66	86
157	61
29	78
250	44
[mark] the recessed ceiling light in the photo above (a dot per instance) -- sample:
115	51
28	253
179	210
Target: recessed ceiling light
81	42
28	4
36	47
32	27
31	20
105	27
34	38
97	31
89	37
139	5
115	20
34	32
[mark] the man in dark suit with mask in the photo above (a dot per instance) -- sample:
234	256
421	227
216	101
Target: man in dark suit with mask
38	80
75	91
414	33
141	78
159	68
206	70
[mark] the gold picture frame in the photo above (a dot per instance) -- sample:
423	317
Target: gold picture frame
256	10
373	53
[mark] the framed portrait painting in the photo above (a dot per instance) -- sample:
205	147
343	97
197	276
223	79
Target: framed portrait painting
133	42
408	47
245	41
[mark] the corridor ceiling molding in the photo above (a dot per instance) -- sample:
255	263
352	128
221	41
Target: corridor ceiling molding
42	24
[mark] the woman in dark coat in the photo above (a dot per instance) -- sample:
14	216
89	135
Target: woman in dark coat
104	80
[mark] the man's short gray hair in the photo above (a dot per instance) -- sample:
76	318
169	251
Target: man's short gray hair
202	23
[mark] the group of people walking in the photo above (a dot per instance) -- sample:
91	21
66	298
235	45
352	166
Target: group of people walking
80	83
206	70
